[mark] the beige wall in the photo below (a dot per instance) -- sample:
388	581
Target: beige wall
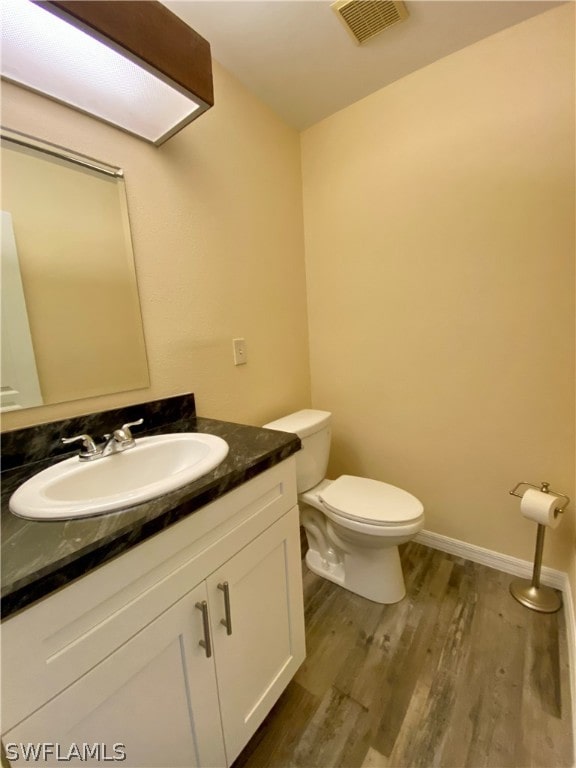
439	230
216	219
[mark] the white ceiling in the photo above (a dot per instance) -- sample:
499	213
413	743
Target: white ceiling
299	59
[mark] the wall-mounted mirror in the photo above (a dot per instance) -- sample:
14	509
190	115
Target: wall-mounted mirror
71	321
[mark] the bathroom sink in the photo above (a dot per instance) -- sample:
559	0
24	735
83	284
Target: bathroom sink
153	467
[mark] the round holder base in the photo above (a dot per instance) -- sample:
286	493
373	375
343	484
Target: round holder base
541	599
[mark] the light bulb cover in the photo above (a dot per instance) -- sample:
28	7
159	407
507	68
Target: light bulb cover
135	65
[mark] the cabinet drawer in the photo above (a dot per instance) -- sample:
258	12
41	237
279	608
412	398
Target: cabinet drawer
51	644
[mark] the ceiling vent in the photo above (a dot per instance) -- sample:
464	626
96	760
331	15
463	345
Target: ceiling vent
365	18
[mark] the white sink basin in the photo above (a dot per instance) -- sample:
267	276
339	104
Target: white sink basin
154	466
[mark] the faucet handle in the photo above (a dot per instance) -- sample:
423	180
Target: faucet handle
124	435
89	447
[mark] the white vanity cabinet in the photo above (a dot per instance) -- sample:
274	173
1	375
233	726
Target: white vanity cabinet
155	695
174	652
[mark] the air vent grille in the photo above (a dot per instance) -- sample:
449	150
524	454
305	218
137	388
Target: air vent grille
366	18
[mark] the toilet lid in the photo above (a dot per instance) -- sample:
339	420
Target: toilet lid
359	498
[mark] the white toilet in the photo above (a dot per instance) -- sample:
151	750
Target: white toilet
353	525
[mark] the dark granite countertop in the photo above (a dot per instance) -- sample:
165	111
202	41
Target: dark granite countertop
40	557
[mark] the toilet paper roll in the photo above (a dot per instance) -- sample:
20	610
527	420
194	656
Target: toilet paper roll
540	507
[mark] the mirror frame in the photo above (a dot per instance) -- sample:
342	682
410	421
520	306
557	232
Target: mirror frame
40	146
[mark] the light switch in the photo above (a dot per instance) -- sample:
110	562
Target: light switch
239	351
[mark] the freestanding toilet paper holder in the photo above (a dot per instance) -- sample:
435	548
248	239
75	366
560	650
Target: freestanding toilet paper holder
531	593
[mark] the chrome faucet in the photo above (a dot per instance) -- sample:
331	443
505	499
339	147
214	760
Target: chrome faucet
120	440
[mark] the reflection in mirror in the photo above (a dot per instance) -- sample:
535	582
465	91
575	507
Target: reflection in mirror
71	321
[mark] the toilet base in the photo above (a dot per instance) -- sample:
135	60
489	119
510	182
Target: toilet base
376	575
331	571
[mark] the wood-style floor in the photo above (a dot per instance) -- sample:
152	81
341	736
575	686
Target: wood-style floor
457	674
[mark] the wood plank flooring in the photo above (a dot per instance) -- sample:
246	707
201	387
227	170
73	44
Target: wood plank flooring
456	675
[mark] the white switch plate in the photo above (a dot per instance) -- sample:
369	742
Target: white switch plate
239	346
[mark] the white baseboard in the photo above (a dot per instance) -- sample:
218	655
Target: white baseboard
506	563
571	632
523	568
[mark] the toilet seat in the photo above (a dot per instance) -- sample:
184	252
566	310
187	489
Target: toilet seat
363	500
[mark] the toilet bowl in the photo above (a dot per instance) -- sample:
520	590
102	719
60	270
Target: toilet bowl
363	522
353	525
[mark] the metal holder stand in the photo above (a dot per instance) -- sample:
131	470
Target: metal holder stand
531	593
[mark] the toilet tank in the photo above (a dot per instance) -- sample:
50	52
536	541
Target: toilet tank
313	429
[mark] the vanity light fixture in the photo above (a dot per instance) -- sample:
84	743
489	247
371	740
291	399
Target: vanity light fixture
133	64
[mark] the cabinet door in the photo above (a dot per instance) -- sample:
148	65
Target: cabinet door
156	696
258	658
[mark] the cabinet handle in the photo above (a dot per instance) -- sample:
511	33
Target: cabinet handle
227	622
205	643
